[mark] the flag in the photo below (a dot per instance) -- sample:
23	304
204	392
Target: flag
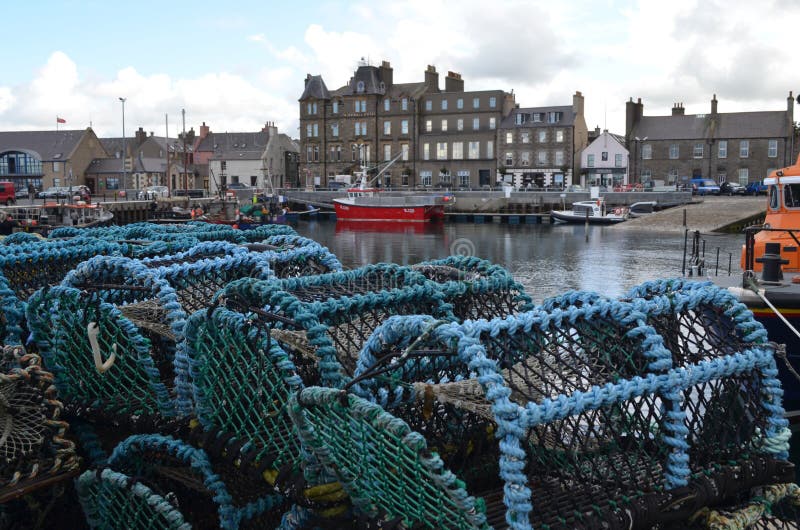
60	120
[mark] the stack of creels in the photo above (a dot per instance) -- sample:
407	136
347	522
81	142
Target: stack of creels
659	411
36	459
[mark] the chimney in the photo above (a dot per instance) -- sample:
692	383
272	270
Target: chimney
790	103
140	137
386	73
204	130
453	82
714	105
597	130
677	109
432	79
633	115
270	128
577	103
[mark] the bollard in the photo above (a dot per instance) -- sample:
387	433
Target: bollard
772	261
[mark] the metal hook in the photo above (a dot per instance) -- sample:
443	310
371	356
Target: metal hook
92	330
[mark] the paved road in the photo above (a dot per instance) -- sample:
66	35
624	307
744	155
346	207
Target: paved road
706	214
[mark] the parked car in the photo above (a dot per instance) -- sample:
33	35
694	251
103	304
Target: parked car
238	186
21	193
702	186
732	188
7	195
53	192
151	192
757	187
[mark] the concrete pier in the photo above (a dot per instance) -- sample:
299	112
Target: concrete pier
706	214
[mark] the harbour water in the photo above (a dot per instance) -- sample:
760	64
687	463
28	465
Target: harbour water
546	259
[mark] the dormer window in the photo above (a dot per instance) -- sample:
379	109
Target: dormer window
383	86
360	87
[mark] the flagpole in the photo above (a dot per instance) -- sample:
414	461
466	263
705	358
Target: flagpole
56	123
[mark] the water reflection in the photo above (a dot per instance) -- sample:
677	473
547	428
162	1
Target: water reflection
546	259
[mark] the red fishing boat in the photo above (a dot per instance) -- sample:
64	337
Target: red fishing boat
367	203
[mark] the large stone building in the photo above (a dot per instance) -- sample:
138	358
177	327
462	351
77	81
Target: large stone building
736	146
48	158
541	146
442	137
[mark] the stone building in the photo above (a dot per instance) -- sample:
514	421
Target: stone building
540	146
736	146
441	137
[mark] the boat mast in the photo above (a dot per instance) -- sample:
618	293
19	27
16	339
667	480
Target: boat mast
386	165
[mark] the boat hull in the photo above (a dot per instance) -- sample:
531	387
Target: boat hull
569	217
418	214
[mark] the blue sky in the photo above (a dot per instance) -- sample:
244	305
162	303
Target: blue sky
236	65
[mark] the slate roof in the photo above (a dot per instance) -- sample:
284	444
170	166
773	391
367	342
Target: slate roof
567	118
239	146
140	165
315	88
48	145
768	124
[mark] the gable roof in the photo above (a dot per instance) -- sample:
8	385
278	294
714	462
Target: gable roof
315	88
567	117
47	145
239	145
766	124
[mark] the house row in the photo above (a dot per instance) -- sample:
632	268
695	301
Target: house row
208	160
447	136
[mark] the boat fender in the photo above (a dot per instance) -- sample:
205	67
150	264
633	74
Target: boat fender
617	211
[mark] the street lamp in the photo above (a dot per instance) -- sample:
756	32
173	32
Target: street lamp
640	159
124	153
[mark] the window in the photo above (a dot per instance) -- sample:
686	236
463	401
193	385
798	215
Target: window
57	166
404	103
335	109
647	152
646	175
361	105
460	124
428	125
476	103
744	175
537	116
360	87
722	151
358	128
722	175
404	178
492	123
559	158
311	108
553	117
744	149
698	151
604	156
426	151
316	129
223	165
463	178
458	150
404	127
441	151
308	135
474	148
476	124
353	153
460	103
404	150
509	159
387	127
425	178
444	104
334	129
492	102
309	154
444	125
490	149
387	104
332	155
542	136
429	105
525	137
589	160
674	151
509	137
518	119
361	128
559	135
672	176
618	160
542	158
772	150
525	158
387	151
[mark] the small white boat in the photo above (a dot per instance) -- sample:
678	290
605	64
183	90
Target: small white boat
592	211
641	209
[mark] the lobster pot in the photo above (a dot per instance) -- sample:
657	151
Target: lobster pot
34	453
298	257
476	288
110	332
176	486
322	321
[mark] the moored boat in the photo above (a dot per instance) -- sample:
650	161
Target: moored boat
593	212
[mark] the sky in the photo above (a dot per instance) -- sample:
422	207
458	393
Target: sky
239	64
